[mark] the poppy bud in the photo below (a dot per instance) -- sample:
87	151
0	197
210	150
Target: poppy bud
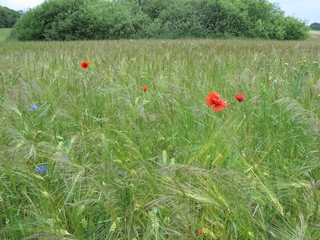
144	88
240	97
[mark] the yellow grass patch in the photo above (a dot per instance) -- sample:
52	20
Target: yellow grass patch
314	34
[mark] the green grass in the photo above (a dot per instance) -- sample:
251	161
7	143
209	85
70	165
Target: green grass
4	33
314	34
159	164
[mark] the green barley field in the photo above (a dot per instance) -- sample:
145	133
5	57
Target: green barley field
87	154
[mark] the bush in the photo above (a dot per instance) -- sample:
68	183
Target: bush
100	19
181	19
74	20
221	18
294	29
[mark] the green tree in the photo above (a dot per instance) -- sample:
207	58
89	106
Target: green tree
222	18
74	20
155	7
315	26
101	19
8	17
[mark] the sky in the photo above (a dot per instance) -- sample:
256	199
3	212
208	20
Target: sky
306	10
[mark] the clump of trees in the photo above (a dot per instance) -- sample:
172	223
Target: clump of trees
8	17
101	19
315	26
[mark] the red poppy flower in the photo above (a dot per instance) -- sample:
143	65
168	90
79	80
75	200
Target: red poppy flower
213	100
85	65
144	88
240	97
200	231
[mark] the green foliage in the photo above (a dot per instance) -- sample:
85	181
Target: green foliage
8	17
99	19
74	20
181	19
315	26
211	18
295	30
222	18
154	8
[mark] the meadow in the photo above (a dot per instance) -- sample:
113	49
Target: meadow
4	33
314	34
88	154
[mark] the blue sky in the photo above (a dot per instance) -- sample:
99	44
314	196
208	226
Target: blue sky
307	10
302	9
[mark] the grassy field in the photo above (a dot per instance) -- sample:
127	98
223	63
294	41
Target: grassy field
4	32
315	34
87	154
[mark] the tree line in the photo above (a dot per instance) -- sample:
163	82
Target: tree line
100	19
8	17
315	26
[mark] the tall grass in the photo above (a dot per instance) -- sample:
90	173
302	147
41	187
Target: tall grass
4	33
127	164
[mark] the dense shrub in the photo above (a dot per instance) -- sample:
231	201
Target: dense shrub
295	30
100	19
74	20
222	18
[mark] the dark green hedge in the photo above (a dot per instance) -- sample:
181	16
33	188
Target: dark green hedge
100	19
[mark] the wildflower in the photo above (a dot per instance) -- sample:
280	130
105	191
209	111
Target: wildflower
122	173
240	97
34	107
41	169
65	158
85	65
213	100
200	231
144	88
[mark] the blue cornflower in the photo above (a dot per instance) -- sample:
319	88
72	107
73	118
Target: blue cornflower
65	158
41	169
122	173
34	107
